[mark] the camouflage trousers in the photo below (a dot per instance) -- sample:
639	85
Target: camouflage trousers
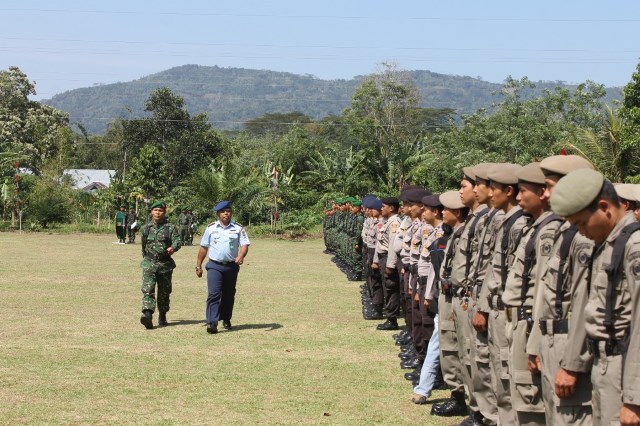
153	273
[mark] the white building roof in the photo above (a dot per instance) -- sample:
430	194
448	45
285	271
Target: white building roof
85	177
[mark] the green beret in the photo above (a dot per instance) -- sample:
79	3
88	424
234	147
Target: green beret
626	191
576	191
480	170
564	164
156	204
531	173
504	173
451	200
356	203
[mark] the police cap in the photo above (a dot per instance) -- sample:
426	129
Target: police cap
390	201
626	191
432	200
451	200
504	173
480	170
576	191
564	164
531	173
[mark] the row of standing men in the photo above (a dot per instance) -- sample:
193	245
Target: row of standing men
514	289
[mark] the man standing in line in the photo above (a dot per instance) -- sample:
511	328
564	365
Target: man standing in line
524	281
612	312
491	314
382	262
558	338
226	243
160	240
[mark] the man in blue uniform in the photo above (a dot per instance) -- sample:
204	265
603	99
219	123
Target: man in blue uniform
226	244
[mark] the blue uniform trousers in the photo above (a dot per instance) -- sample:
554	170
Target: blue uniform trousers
221	282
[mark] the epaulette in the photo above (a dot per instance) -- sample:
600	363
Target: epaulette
211	223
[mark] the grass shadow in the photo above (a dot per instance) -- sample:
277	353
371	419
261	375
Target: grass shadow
269	327
184	322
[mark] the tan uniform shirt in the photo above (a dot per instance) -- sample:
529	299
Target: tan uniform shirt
405	253
372	232
543	250
405	224
574	297
386	234
459	275
486	244
626	308
425	267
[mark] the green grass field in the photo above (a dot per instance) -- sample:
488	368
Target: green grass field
72	350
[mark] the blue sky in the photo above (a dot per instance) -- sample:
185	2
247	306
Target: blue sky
63	45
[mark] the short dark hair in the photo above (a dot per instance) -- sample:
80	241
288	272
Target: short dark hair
607	193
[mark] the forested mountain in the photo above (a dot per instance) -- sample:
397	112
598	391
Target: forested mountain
231	96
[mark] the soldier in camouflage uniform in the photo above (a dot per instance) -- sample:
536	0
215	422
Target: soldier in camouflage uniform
160	240
184	223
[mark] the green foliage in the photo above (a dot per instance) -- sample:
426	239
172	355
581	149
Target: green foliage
47	203
149	172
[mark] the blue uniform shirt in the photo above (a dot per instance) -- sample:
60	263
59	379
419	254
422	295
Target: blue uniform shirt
223	242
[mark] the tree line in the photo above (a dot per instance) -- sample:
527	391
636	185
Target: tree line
381	141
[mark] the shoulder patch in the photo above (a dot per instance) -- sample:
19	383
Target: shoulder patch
545	250
635	269
583	257
394	227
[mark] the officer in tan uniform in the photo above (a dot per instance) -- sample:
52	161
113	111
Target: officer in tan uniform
612	313
383	261
627	194
404	338
558	337
374	294
491	313
523	282
454	214
463	270
481	385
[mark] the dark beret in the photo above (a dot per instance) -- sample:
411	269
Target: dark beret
390	201
376	204
432	200
415	195
156	204
222	205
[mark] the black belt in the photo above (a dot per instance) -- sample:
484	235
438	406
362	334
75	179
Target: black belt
611	347
228	262
559	327
522	313
498	305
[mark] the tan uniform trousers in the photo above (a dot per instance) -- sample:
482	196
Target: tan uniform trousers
481	380
499	357
575	410
449	359
461	317
526	388
606	377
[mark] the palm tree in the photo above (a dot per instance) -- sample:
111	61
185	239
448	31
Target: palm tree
604	148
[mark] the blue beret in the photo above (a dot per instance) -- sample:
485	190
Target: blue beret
222	205
367	199
375	204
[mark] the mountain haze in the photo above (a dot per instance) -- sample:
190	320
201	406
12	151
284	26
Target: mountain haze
231	96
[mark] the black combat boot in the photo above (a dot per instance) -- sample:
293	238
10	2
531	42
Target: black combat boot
162	319
475	419
146	319
373	313
389	324
454	406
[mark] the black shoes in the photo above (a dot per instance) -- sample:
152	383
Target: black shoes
227	325
414	375
410	364
146	319
388	325
454	406
474	419
374	312
212	328
162	319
